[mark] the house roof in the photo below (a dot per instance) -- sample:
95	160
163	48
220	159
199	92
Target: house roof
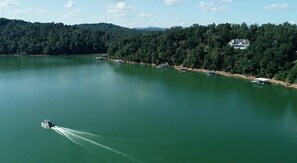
239	41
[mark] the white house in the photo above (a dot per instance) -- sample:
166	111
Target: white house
239	43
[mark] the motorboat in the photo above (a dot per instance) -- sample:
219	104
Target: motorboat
47	124
211	73
118	61
261	81
163	65
101	58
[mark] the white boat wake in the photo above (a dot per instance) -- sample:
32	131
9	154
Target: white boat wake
80	138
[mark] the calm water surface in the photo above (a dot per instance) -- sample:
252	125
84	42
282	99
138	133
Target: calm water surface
149	114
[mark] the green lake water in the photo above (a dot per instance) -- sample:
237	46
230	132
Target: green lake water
148	114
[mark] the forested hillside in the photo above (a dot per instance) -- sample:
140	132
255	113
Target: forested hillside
20	37
271	54
112	32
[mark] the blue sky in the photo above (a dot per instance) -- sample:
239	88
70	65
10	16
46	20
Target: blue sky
158	13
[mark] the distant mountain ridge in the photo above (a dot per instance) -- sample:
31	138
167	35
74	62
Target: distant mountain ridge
152	29
4	21
113	27
107	27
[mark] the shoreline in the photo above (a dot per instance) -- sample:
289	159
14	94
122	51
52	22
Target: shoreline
240	76
222	73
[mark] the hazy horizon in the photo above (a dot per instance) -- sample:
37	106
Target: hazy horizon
151	13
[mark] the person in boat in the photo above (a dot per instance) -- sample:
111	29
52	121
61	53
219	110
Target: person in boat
47	124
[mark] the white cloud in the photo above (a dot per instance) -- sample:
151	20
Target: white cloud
277	6
146	15
69	4
226	1
172	2
23	11
74	13
119	9
210	7
7	4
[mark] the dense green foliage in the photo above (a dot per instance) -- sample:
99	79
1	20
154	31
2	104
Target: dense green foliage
113	32
271	54
107	27
20	37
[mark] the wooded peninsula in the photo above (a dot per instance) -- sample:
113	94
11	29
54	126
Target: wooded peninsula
271	50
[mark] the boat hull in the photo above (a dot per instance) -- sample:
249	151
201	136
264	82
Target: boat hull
47	125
